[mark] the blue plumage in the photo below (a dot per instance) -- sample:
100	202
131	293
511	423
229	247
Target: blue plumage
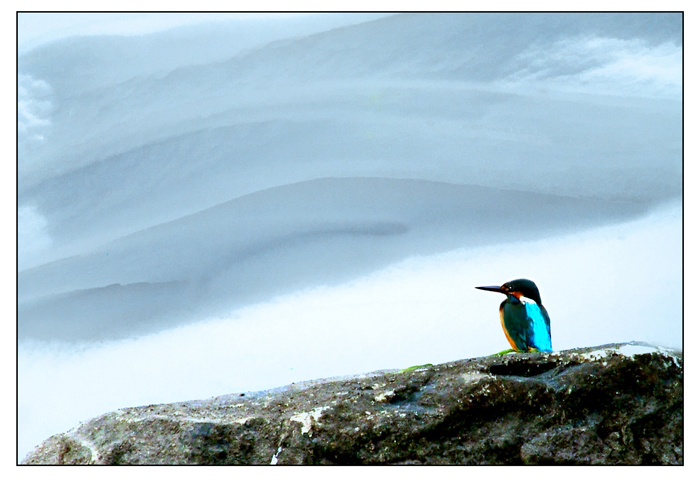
525	324
540	336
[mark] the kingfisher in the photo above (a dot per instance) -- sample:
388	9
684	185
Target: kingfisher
523	318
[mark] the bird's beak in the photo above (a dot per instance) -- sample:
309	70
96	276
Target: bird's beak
496	289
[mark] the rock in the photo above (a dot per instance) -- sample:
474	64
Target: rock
613	404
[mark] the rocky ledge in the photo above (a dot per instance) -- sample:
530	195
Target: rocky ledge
613	404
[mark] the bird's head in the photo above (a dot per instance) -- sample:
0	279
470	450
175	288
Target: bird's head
522	287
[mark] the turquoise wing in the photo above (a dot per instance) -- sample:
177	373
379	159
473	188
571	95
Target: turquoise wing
539	336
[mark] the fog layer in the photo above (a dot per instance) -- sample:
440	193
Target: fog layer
237	206
164	185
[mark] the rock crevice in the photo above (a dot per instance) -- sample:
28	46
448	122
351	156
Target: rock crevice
613	404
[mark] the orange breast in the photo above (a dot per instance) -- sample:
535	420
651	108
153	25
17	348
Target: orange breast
503	325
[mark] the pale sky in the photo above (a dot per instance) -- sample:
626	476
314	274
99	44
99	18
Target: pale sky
35	29
40	27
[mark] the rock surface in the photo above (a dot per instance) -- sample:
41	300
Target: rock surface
613	404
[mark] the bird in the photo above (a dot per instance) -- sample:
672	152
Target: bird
523	317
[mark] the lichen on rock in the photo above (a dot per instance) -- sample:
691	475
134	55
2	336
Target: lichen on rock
613	404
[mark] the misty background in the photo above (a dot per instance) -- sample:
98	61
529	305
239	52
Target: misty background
210	205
